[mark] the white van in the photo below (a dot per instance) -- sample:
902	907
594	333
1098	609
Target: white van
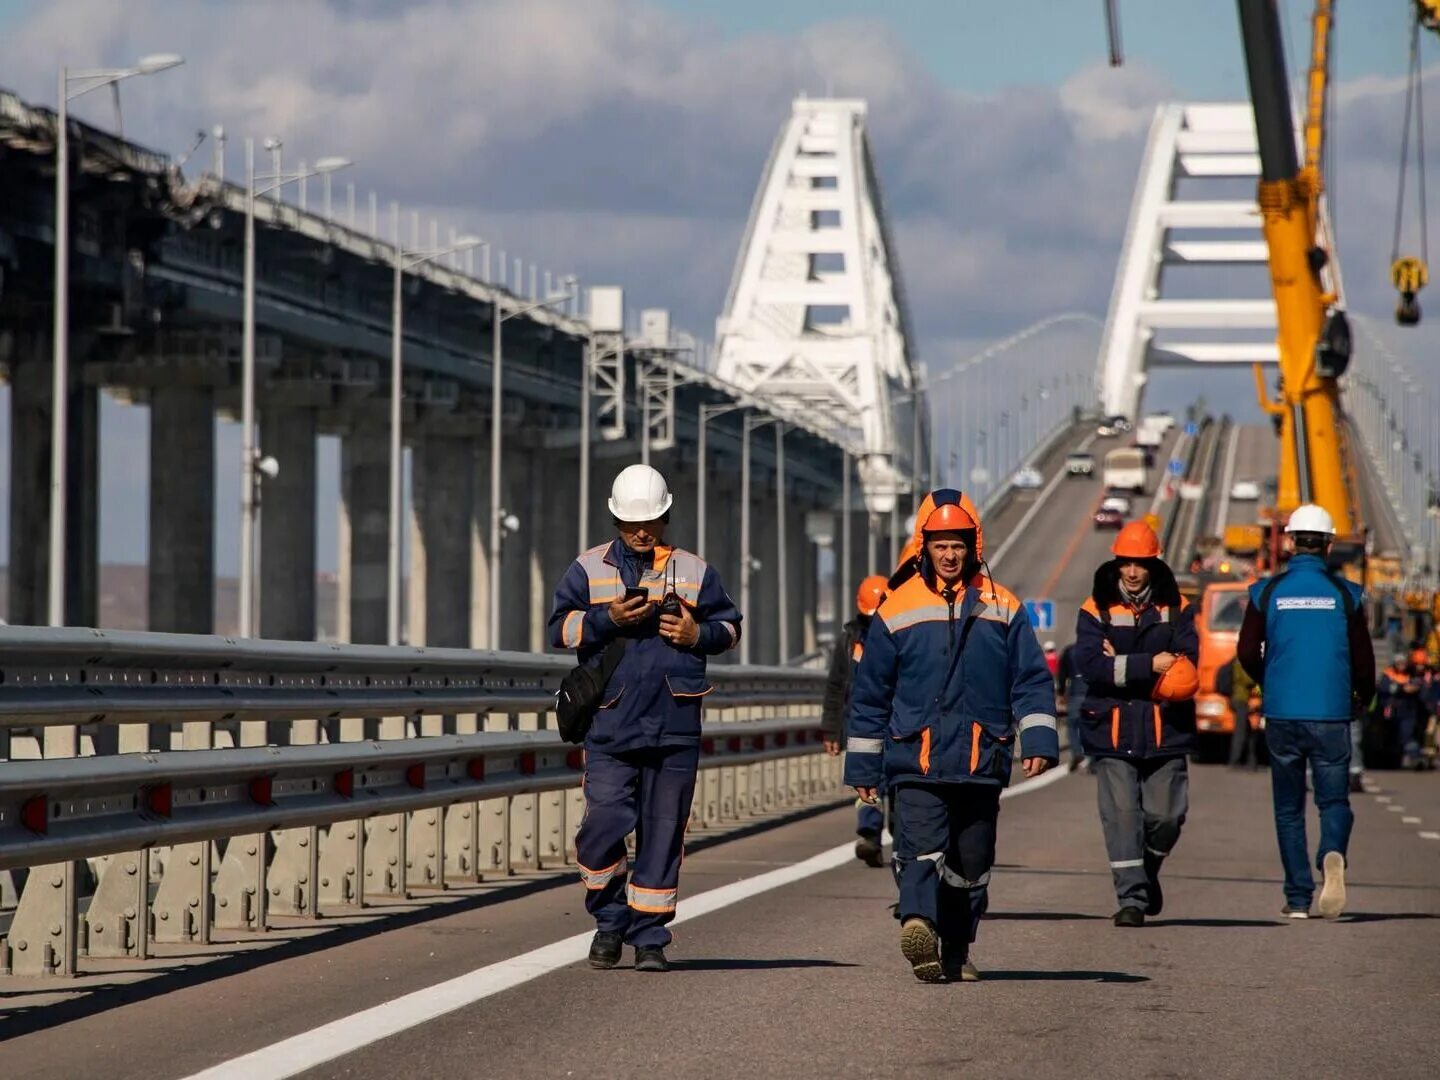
1125	470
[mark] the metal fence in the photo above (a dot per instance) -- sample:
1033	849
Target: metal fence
157	787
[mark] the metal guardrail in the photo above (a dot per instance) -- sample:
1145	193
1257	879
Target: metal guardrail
431	767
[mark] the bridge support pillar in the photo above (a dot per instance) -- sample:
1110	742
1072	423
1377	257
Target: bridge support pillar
764	619
443	471
182	509
30	419
364	535
287	525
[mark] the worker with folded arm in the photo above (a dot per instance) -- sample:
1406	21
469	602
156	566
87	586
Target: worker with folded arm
1136	646
951	675
642	749
849	647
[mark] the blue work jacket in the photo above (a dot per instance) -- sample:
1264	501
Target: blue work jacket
1120	717
947	681
654	697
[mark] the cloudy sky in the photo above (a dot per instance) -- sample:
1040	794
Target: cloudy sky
623	139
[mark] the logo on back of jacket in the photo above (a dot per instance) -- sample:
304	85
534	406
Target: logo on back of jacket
1305	603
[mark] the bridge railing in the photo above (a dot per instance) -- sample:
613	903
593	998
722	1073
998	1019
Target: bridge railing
215	783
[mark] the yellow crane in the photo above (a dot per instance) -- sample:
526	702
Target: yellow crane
1316	464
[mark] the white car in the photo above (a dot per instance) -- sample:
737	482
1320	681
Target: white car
1119	503
1079	463
1107	430
1245	490
1028	479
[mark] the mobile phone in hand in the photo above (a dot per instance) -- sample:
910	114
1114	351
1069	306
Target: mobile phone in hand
637	594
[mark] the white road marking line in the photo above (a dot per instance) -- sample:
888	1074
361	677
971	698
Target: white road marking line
1430	836
1396	809
350	1033
1382	798
1410	821
1040	501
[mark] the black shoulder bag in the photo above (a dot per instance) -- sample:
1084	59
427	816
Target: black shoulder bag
582	691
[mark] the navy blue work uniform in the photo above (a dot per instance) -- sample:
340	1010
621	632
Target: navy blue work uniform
643	749
1306	642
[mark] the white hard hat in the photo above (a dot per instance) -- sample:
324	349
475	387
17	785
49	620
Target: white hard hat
1310	519
639	494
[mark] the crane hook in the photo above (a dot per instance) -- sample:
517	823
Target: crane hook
1409	275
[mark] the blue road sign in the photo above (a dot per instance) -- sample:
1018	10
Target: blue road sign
1042	613
1192	429
1177	467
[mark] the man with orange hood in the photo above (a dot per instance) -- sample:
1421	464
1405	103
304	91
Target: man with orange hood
951	674
1136	646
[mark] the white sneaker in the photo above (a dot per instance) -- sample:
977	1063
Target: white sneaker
1332	893
1295	912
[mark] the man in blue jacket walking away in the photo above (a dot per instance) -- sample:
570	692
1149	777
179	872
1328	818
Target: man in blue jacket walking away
1306	642
643	749
951	674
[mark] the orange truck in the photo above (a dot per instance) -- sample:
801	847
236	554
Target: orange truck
1222	609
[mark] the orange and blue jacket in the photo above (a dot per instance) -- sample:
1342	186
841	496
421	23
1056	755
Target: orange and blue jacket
1119	717
654	697
947	680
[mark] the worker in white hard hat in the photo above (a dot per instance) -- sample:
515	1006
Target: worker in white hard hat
650	615
1306	642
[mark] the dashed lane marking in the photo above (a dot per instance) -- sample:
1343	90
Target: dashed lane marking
1410	821
350	1033
1430	836
1382	798
1396	809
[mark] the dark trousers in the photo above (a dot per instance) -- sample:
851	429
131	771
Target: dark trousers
647	792
1244	749
1325	747
944	848
1142	808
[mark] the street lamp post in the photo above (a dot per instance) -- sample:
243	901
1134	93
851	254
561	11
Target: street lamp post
707	413
83	82
249	450
499	317
751	423
404	260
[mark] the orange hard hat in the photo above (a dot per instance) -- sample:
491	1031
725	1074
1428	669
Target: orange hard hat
1180	683
948	517
1136	540
872	591
1419	657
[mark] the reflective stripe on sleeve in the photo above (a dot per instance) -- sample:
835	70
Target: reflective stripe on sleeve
598	879
856	745
1034	720
1125	864
573	629
1119	671
734	633
958	881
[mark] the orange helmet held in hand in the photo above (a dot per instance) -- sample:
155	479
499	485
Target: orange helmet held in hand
1180	683
870	595
1136	540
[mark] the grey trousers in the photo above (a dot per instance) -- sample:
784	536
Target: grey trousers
1142	807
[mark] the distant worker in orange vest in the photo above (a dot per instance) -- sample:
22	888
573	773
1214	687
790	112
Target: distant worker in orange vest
849	647
1135	645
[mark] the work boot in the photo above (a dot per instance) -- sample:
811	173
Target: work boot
868	850
921	947
1332	892
1129	916
605	950
1155	902
650	958
955	961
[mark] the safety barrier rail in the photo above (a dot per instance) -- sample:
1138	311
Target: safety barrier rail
213	767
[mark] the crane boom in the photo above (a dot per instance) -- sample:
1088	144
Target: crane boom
1313	341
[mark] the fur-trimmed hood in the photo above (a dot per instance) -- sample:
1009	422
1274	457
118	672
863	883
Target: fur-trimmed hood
1164	590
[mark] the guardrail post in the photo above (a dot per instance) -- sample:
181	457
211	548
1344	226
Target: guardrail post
241	886
44	938
386	854
342	850
118	919
293	887
182	904
425	867
494	820
462	822
551	840
525	814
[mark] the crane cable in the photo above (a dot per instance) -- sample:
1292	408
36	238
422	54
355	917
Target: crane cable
1409	274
